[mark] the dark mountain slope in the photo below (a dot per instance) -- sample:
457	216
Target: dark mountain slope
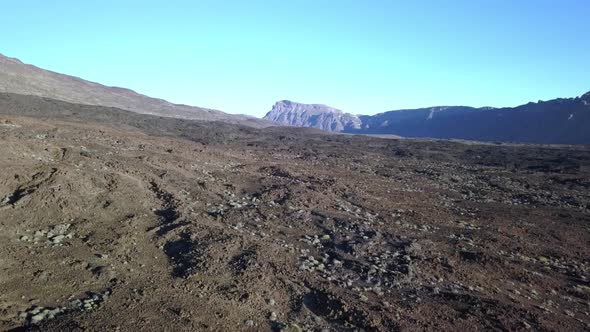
558	121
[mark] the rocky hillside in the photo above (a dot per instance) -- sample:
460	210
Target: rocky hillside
17	77
323	117
558	121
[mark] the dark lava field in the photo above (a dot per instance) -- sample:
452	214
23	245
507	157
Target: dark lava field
115	221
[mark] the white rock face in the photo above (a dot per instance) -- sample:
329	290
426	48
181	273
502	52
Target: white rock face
319	116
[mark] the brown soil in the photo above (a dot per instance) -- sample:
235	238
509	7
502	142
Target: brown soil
286	230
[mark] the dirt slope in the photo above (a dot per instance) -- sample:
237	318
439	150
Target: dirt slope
19	78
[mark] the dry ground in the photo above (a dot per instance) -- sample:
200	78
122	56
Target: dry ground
107	228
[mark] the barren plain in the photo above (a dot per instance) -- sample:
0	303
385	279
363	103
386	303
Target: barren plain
113	221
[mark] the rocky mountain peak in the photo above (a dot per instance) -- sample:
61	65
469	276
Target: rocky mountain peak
319	116
299	107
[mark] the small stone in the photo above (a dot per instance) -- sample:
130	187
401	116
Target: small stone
36	310
60	229
249	323
54	312
273	316
37	318
75	303
58	238
543	259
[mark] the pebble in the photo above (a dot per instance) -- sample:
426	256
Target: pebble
36	315
55	235
37	318
58	238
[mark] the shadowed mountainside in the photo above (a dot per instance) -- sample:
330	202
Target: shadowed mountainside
558	121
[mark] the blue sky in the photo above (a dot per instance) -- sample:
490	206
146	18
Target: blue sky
364	56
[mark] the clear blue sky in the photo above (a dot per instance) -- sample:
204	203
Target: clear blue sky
363	56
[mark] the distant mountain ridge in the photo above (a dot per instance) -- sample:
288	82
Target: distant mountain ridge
558	121
319	116
20	78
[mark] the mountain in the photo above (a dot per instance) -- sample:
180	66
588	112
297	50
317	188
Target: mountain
558	121
323	117
19	78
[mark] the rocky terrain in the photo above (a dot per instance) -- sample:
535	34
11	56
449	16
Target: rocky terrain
318	116
118	221
559	121
19	78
